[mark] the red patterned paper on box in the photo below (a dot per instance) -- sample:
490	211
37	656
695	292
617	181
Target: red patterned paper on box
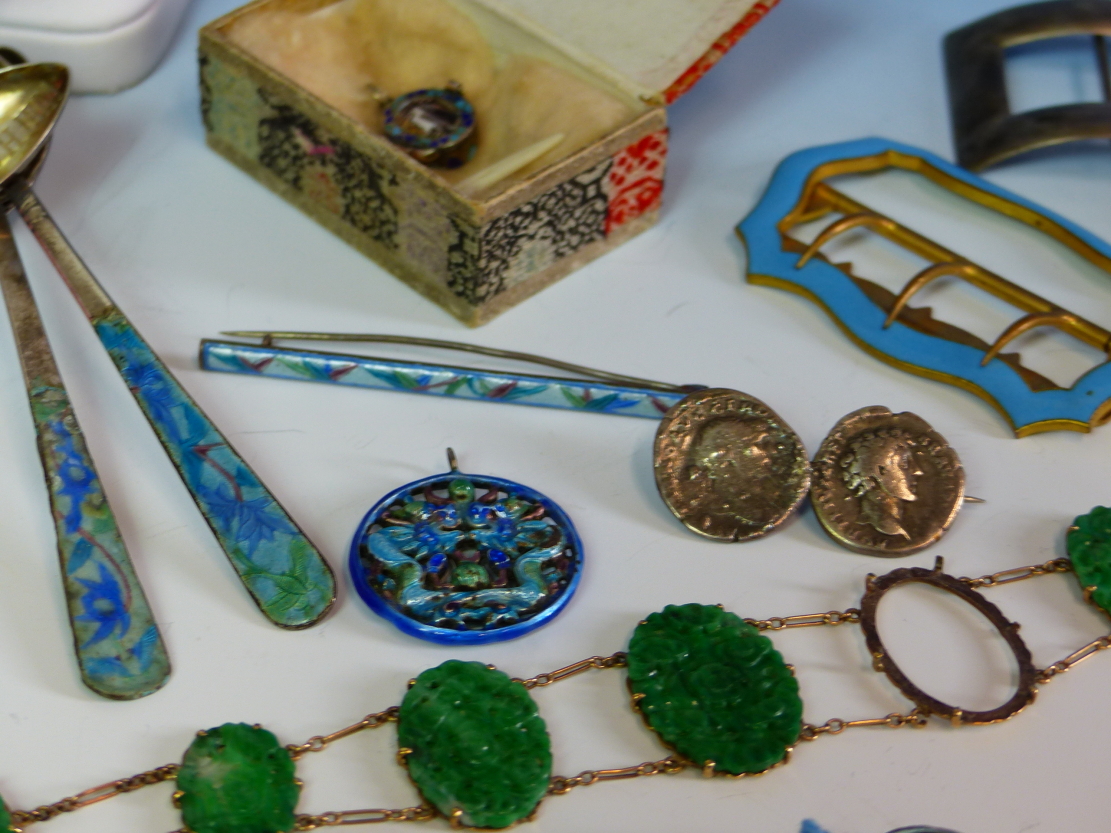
635	182
716	52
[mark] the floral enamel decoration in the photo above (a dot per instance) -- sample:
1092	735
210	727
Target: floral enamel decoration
119	650
285	575
604	393
288	579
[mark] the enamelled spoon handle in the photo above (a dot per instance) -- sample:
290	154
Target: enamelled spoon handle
284	573
119	649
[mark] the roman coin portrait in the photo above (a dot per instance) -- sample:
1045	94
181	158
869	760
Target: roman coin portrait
886	484
728	467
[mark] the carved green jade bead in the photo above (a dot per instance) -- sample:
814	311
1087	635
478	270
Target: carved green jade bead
1089	547
477	744
237	779
714	689
5	817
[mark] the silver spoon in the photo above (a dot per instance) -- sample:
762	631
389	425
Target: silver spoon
119	649
286	576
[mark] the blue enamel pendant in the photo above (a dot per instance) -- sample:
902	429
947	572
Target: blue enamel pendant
466	559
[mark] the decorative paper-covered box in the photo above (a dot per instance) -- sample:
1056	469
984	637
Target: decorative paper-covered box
289	94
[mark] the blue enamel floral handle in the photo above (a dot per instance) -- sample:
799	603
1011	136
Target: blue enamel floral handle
120	652
284	573
119	649
288	578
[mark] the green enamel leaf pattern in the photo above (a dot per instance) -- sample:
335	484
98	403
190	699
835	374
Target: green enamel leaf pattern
1089	547
5	817
714	689
238	779
478	744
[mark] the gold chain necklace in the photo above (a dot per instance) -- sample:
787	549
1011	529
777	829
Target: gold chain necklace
708	683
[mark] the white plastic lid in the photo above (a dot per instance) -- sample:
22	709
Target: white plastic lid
107	44
71	15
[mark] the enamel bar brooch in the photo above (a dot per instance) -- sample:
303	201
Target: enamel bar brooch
611	393
910	338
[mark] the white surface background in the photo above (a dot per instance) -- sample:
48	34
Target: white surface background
189	245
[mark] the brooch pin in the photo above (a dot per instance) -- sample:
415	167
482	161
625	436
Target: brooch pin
907	337
435	126
726	465
466	559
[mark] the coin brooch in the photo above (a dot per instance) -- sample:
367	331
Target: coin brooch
886	484
728	466
466	559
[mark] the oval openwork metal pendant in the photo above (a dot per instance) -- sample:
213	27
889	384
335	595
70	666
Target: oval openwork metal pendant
728	466
1025	691
886	484
464	558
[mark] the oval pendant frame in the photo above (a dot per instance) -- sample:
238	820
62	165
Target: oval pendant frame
877	587
449	636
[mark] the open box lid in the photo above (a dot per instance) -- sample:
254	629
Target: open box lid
655	49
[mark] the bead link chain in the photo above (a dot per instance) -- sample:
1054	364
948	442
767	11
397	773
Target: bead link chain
561	785
618	660
1061	666
1057	565
321	742
807	620
25	818
835	726
422	813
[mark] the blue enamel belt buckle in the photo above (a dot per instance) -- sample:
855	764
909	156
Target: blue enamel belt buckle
435	126
466	559
909	337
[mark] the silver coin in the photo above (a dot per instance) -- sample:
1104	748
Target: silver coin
728	467
886	484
